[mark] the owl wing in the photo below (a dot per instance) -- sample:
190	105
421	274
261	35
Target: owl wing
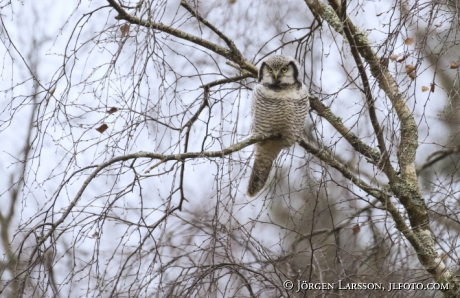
302	106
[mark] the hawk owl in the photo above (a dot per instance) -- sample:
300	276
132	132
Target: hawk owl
280	106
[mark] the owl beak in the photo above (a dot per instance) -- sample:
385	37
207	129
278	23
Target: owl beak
276	81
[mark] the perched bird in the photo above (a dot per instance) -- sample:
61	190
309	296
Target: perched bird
280	106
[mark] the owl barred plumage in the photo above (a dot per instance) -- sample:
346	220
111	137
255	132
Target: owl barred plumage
280	106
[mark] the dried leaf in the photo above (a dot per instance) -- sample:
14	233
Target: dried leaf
124	29
95	235
412	75
438	25
394	57
453	65
112	110
425	88
432	87
409	68
409	41
356	229
102	128
403	58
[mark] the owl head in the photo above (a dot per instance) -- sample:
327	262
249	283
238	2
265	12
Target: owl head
279	71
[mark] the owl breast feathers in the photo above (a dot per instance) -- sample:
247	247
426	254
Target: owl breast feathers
280	106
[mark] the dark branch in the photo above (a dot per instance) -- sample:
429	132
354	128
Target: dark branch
228	80
380	195
336	122
163	158
386	165
437	156
231	54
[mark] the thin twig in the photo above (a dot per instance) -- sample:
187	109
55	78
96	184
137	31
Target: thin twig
386	165
379	194
228	80
336	122
181	157
232	54
437	156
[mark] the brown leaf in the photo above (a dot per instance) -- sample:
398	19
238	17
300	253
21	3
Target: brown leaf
95	235
438	25
112	110
403	58
124	29
425	88
412	75
432	87
102	128
409	41
394	57
356	229
453	65
409	68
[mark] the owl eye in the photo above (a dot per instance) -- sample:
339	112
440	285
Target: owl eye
269	70
284	69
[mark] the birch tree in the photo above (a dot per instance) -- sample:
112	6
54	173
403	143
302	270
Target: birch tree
131	180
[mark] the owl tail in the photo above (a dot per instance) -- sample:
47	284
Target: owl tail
266	153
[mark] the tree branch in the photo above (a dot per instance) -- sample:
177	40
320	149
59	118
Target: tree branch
232	54
406	187
197	15
380	195
437	156
336	122
163	158
228	80
387	168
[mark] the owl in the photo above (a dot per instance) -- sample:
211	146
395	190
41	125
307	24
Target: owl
280	106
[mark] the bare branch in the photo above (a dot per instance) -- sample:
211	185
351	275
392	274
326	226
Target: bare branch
232	54
405	188
388	169
437	156
227	80
336	122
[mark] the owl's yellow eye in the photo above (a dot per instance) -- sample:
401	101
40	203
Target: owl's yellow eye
284	69
270	70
